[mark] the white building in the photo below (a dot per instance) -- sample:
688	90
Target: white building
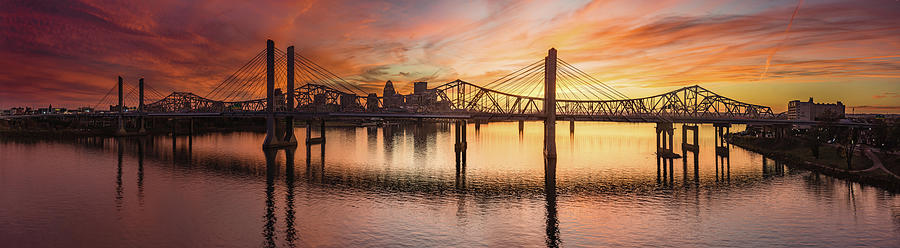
811	111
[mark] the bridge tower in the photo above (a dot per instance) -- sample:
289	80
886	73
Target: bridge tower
141	119
275	131
550	104
121	120
289	137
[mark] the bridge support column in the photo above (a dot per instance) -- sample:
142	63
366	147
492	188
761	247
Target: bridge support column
723	160
691	147
322	131
289	137
664	155
782	131
550	104
276	135
142	118
521	126
571	126
460	145
664	136
695	145
721	144
271	138
121	120
315	140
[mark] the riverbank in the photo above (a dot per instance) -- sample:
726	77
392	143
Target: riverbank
866	167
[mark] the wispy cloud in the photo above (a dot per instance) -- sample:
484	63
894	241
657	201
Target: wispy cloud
69	52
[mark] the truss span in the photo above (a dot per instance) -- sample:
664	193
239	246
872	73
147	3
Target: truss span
688	104
693	103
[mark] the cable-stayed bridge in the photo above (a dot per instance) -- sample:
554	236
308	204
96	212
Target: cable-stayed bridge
283	85
517	96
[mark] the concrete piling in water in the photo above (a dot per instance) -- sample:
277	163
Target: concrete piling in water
289	138
460	145
572	126
278	134
695	131
121	112
721	144
141	119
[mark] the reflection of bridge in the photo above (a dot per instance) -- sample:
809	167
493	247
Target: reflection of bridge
255	91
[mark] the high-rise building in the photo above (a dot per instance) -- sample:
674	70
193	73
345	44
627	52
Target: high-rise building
811	111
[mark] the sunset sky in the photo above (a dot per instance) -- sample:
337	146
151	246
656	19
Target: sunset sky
68	53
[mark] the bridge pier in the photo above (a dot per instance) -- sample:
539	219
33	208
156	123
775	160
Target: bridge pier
664	155
664	139
289	137
571	126
782	131
691	147
315	140
121	130
695	146
276	134
721	144
521	126
460	145
141	119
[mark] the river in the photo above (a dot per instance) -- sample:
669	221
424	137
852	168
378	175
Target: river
399	186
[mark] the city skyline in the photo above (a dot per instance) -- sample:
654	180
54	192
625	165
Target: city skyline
69	53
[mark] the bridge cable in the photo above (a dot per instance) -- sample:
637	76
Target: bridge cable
570	72
501	79
513	82
339	79
225	83
249	81
537	86
105	96
524	79
320	77
315	75
612	90
584	74
240	81
576	82
235	82
230	83
334	77
526	83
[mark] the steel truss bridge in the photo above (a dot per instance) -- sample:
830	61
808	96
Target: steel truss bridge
517	96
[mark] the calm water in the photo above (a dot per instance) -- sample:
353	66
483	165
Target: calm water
398	186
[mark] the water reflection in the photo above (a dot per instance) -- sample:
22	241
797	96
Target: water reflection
550	195
723	164
375	193
290	232
120	151
777	169
269	217
140	174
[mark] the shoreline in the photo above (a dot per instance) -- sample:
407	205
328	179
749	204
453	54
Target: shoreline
871	175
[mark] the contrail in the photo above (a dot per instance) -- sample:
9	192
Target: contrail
791	22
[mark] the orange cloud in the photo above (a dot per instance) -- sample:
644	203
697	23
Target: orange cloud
69	52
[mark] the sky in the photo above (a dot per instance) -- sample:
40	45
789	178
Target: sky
767	52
